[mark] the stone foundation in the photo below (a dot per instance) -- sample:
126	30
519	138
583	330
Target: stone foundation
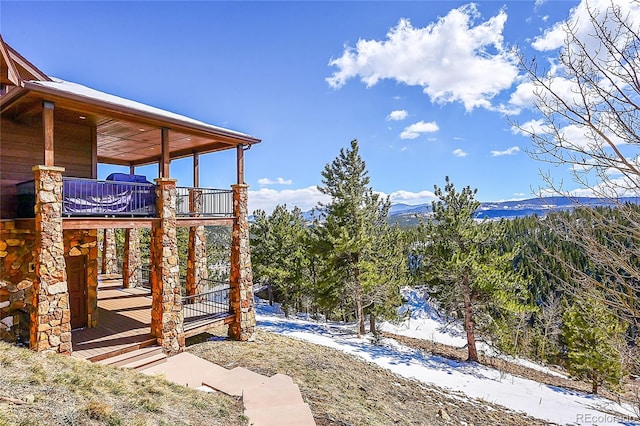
109	252
166	309
241	293
51	318
131	262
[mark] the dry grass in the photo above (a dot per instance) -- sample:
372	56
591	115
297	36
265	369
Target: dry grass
343	390
65	391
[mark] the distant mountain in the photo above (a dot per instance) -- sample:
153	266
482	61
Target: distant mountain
405	214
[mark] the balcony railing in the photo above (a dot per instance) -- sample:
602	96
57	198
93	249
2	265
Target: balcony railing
200	308
89	197
205	202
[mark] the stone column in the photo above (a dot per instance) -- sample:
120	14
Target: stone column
197	271
109	254
51	317
131	261
166	308
241	293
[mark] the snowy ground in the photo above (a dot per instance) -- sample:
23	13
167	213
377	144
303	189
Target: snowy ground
473	380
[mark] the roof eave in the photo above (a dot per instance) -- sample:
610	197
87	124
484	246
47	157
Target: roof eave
144	116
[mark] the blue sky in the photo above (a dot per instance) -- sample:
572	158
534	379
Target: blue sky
425	86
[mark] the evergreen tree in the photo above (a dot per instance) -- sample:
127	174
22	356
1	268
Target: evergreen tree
592	335
468	269
278	253
354	219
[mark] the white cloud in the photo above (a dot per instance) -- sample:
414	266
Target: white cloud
402	196
307	198
459	153
509	151
397	115
580	21
277	181
267	199
453	59
414	130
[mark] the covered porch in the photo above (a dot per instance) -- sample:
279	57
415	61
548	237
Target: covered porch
125	319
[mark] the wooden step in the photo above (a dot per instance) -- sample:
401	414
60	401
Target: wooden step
120	351
147	362
135	357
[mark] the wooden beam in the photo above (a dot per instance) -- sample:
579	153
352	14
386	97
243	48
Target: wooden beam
188	222
94	152
107	222
47	125
196	170
165	160
240	159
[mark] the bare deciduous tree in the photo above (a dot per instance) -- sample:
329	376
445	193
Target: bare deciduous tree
589	106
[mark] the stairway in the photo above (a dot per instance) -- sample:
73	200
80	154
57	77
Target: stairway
137	359
267	401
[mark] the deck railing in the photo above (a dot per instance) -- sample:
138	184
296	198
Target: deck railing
90	197
202	307
104	197
212	202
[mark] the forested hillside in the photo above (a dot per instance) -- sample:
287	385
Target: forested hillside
526	285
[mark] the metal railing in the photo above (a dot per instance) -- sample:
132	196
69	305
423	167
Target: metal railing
144	277
213	202
203	306
110	198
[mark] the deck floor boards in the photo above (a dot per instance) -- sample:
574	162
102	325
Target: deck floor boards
124	321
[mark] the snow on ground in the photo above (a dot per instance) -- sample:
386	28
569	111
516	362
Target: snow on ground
473	380
421	321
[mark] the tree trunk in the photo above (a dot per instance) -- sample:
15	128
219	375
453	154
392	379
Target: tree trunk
372	324
468	326
594	387
358	297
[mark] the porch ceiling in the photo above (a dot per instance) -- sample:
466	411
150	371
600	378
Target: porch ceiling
125	135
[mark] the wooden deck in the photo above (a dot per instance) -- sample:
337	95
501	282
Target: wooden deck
124	319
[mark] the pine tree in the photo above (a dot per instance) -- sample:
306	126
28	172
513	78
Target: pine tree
468	269
354	218
278	253
591	335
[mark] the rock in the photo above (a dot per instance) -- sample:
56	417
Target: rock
443	414
29	399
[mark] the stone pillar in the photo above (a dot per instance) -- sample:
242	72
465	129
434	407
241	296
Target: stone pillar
131	261
166	308
51	317
109	254
241	293
197	271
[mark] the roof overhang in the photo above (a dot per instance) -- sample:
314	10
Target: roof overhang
127	132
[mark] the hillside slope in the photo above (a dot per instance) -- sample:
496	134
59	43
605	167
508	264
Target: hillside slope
59	390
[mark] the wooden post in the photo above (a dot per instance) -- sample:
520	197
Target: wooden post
94	152
47	124
196	170
132	169
165	159
240	155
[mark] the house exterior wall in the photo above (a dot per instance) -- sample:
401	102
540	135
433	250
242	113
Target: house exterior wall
17	273
22	147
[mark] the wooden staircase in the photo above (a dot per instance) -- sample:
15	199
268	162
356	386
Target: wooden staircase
137	359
